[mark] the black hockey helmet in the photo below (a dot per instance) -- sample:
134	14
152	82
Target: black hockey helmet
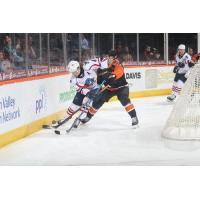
112	53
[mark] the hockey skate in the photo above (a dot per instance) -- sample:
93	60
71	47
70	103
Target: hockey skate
171	98
76	123
87	118
135	122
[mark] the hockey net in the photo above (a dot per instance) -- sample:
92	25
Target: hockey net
184	120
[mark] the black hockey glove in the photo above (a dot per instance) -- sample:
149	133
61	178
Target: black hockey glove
176	68
112	68
181	64
109	78
99	70
190	64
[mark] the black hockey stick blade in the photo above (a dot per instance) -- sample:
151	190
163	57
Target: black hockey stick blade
62	122
45	126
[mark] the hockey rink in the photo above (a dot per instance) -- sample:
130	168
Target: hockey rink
108	139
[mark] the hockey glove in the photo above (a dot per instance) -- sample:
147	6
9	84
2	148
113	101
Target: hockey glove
111	68
111	79
108	78
190	64
175	70
89	81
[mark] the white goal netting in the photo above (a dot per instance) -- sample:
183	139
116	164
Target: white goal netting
184	121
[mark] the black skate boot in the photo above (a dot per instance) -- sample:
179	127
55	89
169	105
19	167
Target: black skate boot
87	118
171	98
135	122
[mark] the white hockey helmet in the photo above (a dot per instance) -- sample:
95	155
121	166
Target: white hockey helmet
181	46
73	66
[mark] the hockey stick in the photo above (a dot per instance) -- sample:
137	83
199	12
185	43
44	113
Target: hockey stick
60	123
75	124
46	126
77	121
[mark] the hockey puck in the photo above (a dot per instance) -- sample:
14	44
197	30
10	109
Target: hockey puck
57	132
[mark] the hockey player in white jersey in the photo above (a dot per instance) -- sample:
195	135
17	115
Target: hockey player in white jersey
84	78
85	81
181	70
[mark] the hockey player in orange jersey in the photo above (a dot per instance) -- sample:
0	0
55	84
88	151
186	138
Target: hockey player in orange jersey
114	75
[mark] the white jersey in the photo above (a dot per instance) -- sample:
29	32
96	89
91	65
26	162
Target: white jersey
186	58
87	71
104	63
92	64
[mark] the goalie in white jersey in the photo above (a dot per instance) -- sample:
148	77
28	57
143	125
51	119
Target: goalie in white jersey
85	81
182	70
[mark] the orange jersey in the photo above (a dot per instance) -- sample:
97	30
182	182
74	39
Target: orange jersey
195	57
118	69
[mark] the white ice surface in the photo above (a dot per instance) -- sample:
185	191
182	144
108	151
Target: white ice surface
108	139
